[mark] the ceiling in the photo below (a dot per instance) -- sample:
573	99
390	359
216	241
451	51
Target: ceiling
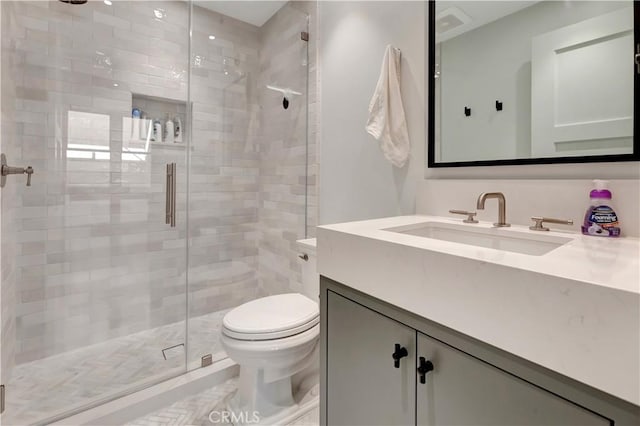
463	16
253	12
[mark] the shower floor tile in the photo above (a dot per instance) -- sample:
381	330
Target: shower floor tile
51	386
194	410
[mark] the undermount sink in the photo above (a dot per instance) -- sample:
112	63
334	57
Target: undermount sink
495	238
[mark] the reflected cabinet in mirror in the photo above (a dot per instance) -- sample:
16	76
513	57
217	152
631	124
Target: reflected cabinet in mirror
533	82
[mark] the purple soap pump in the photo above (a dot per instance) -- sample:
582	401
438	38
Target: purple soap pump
600	219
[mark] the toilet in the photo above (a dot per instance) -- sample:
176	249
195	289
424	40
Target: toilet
274	339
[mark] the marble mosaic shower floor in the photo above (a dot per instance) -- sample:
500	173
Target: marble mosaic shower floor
48	387
194	410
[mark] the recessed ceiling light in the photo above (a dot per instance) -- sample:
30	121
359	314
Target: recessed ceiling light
212	37
115	84
159	13
108	2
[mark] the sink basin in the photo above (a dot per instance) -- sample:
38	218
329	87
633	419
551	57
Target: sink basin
495	238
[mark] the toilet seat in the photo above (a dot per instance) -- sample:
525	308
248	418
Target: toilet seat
272	317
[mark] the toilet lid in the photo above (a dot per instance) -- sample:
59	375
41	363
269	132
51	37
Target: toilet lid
271	317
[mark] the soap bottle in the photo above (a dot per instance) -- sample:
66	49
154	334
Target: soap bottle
169	130
157	131
135	123
178	130
600	219
144	127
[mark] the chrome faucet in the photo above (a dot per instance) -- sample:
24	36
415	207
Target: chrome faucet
502	221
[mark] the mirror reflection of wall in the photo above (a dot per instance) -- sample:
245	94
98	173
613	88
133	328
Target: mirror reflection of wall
525	79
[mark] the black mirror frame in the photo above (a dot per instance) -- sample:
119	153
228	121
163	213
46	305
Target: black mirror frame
431	148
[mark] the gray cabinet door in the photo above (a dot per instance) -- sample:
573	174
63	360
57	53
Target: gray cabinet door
363	386
463	390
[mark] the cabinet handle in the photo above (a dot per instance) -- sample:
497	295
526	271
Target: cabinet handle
424	367
398	354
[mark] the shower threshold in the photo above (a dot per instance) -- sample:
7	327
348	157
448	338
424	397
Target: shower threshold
129	408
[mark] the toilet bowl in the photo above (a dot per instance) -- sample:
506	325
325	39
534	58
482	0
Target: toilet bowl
273	339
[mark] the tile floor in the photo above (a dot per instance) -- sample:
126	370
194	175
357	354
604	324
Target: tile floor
45	388
194	410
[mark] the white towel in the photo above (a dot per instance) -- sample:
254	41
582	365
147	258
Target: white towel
387	122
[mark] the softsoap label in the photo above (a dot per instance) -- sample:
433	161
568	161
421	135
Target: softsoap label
601	221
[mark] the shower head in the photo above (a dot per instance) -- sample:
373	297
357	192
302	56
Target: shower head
74	1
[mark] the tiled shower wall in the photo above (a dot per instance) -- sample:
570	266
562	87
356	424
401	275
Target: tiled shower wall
224	164
94	257
9	196
282	197
97	260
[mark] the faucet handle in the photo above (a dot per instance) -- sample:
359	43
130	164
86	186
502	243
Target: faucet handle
539	220
470	215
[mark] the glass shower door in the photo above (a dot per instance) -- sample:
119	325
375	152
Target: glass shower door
249	160
93	300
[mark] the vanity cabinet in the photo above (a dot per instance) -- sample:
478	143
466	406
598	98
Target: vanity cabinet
463	390
375	363
365	388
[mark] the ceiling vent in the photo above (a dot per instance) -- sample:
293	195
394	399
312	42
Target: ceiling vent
449	19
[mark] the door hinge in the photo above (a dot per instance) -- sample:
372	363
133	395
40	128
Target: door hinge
304	36
638	58
1	399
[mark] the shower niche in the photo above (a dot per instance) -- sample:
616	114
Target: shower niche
155	122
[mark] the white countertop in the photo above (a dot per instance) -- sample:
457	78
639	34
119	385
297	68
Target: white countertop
568	310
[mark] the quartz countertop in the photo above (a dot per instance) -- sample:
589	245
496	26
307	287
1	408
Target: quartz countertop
567	310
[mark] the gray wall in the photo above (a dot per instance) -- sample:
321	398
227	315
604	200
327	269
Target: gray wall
356	181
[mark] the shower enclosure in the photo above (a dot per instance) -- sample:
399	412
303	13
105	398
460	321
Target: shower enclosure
169	185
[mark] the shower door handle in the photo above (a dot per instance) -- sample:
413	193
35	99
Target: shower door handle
170	200
174	173
167	208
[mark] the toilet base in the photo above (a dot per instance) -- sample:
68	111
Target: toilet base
303	406
257	399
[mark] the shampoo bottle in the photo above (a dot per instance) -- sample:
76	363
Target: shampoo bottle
144	127
135	123
600	220
157	131
178	130
169	130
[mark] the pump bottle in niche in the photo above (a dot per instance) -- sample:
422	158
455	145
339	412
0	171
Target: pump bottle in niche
178	130
156	135
169	130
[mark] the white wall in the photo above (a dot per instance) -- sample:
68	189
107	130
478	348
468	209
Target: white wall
356	181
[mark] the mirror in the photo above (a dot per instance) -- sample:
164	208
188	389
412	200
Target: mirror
533	82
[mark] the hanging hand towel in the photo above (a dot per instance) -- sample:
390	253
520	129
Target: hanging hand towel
387	122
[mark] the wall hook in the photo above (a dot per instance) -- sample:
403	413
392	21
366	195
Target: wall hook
498	106
467	111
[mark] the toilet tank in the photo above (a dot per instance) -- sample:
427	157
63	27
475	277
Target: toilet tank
310	277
